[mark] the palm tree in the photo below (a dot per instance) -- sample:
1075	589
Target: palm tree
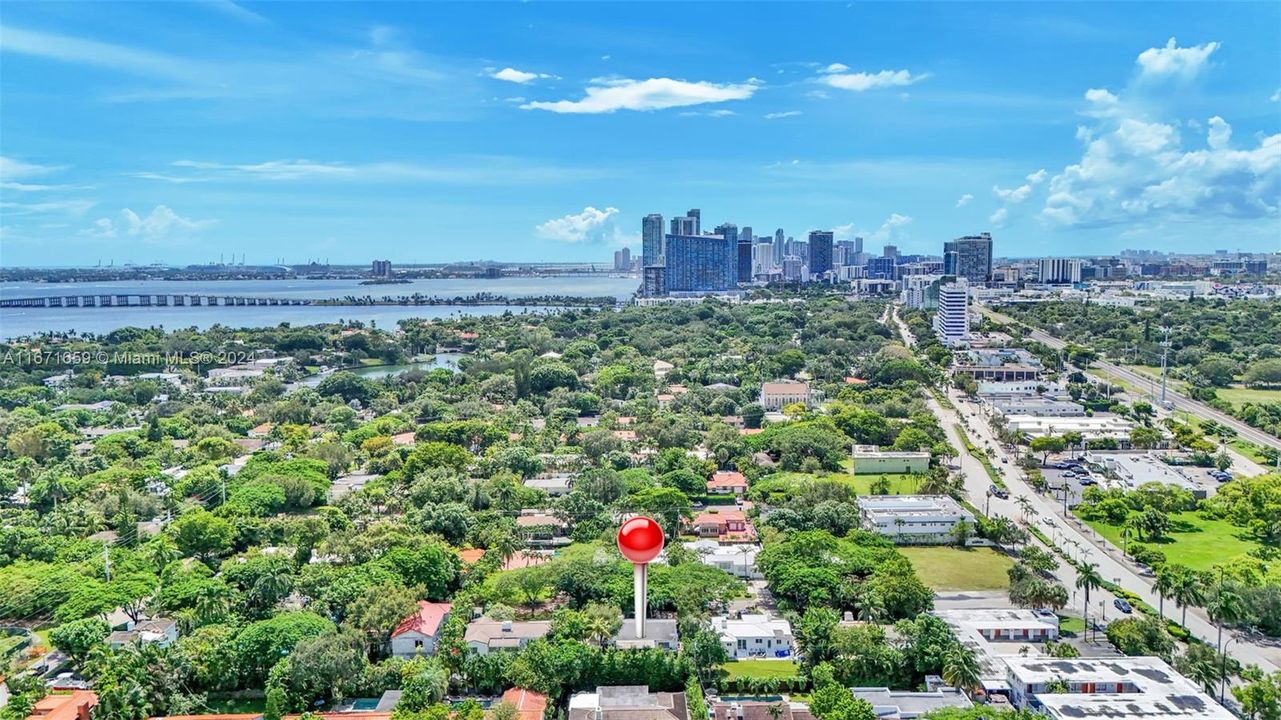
1087	579
961	669
1187	590
1164	586
1224	608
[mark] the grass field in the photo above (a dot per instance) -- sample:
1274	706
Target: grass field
862	484
1071	625
764	668
951	568
1240	396
1194	542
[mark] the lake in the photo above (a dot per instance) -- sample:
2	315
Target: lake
16	322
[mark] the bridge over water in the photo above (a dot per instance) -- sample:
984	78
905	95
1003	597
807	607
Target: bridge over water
152	300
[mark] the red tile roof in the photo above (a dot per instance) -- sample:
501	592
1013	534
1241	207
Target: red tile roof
531	704
426	621
727	479
75	706
471	555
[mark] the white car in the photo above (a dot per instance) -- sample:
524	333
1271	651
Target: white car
1047	521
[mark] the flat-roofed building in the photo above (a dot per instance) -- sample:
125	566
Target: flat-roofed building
871	460
1094	427
627	702
908	704
913	519
1118	688
754	635
1134	469
1033	405
738	560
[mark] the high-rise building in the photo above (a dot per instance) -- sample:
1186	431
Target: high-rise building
890	251
820	251
800	249
623	259
684	226
969	257
780	246
700	263
858	244
381	268
1060	270
882	268
698	219
762	259
793	266
952	320
652	240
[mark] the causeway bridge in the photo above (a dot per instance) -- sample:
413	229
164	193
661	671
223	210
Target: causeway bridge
148	300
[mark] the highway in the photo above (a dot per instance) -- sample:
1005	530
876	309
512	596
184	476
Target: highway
1177	400
1068	533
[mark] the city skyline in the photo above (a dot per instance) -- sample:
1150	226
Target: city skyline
444	133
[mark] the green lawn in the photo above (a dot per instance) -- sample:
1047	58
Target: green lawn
236	705
764	668
951	568
900	484
1195	542
1071	625
1239	396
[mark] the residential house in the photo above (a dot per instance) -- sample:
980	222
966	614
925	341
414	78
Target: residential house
418	633
754	635
727	482
777	395
728	526
484	636
529	705
628	702
659	632
161	632
914	519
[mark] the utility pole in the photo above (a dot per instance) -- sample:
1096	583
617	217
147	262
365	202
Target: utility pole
1165	351
106	562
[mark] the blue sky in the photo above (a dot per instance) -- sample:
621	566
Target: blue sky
433	132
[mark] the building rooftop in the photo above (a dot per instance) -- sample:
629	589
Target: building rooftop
909	506
627	702
904	705
531	705
657	631
1155	691
495	632
426	621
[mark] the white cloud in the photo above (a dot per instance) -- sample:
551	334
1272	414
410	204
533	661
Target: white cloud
11	169
997	219
964	200
1173	61
517	76
1100	96
1276	96
1037	176
589	226
73	207
480	170
1013	195
779	115
707	113
889	230
159	225
611	95
835	68
861	81
1219	134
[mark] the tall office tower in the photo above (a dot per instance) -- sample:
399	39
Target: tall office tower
969	257
882	268
820	251
729	231
858	244
890	251
698	220
746	232
684	226
762	258
792	266
1060	270
381	268
800	249
653	280
952	321
699	263
652	240
780	246
623	259
744	270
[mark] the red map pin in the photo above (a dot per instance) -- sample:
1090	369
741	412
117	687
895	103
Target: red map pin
640	539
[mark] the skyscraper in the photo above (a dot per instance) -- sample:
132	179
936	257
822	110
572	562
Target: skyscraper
698	220
969	257
684	226
652	240
858	244
780	246
762	258
952	321
700	263
820	251
1060	270
623	259
890	251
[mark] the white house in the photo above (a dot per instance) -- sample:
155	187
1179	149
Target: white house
161	632
751	636
418	633
737	560
778	395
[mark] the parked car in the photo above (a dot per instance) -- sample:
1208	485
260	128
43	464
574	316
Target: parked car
999	492
1088	481
1123	606
1060	466
1069	474
1047	521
